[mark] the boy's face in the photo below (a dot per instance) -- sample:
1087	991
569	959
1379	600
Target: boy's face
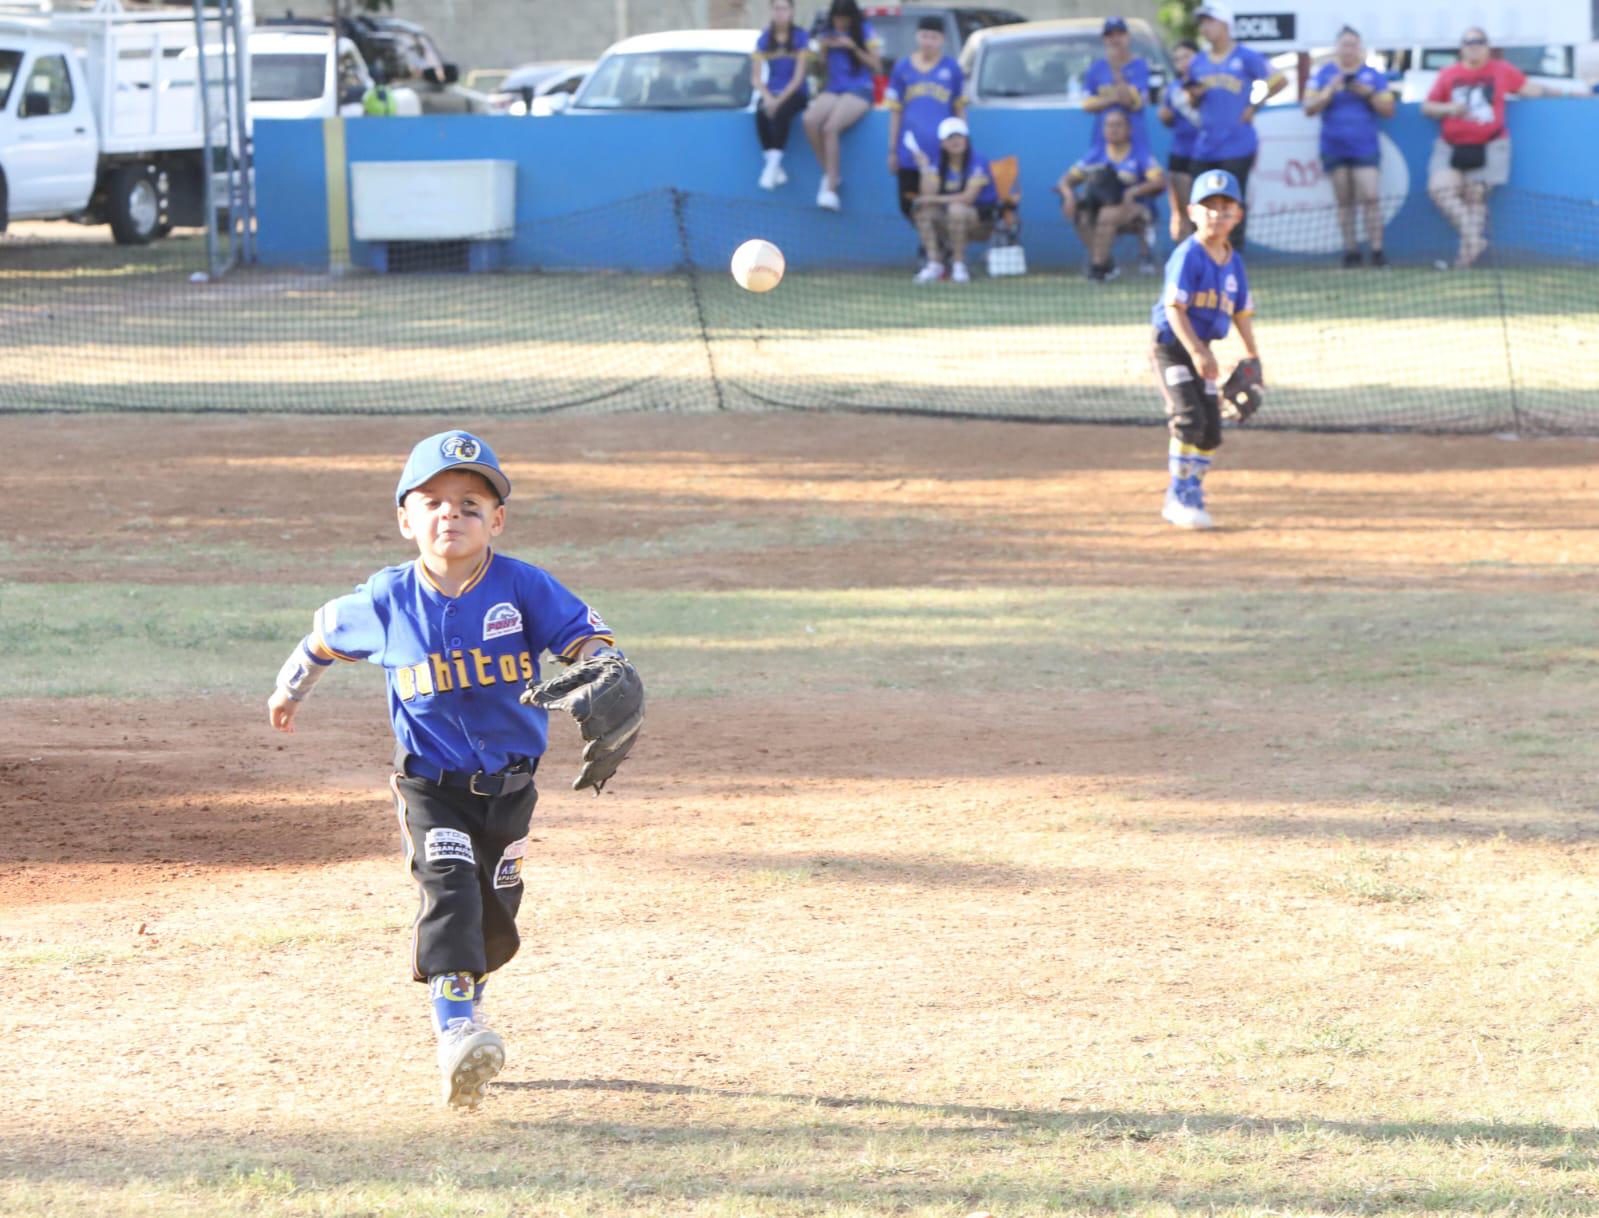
452	515
1215	217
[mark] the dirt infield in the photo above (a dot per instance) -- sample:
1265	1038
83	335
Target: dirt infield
832	880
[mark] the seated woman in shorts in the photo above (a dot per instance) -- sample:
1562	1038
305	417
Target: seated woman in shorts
957	204
849	48
1107	194
1350	96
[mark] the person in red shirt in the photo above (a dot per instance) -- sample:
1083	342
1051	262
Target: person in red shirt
1472	153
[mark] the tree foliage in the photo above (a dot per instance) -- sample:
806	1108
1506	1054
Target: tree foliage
1176	17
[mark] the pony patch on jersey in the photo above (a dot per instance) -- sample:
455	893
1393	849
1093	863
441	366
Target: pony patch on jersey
460	448
448	846
505	618
508	874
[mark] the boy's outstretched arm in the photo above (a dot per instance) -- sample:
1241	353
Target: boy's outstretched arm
298	676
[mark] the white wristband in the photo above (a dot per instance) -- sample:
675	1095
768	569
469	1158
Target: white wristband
300	672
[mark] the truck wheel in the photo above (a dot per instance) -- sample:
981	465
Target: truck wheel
135	205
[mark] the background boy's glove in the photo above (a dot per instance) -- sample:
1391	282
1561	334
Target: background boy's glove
1242	394
606	697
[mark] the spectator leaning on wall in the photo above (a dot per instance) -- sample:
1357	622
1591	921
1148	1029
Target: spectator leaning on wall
1222	83
924	89
1351	97
1472	152
849	48
1117	83
780	55
1117	184
378	101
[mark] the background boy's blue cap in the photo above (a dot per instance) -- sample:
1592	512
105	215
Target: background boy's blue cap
1113	25
451	450
1215	182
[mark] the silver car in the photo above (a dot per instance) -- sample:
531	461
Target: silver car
1042	63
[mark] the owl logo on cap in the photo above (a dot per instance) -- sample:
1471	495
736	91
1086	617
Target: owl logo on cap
1217	182
460	448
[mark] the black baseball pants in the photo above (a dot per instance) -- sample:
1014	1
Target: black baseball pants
1193	412
465	852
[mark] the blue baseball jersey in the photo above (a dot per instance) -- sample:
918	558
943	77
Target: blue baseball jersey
1100	81
925	99
845	73
1184	131
456	665
977	170
1214	292
1349	124
781	63
1137	166
1223	133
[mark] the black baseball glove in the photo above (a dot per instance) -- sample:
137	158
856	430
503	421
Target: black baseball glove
1242	394
606	697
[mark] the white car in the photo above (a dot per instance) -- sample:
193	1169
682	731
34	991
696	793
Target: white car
674	70
310	73
1555	66
1042	63
530	90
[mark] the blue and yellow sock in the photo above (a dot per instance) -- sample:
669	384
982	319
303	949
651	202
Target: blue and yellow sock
1200	466
1180	458
452	998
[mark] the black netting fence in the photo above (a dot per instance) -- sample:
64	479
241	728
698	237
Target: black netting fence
1511	344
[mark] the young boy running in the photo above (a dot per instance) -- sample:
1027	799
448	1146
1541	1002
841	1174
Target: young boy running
458	633
1206	291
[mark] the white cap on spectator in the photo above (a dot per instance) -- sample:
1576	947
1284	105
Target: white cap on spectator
953	126
1217	12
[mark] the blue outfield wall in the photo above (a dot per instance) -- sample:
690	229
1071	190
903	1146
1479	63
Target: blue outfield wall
569	165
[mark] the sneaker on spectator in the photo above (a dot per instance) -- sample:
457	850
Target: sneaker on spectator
779	177
1106	273
1379	260
828	198
769	177
931	273
959	274
1351	258
1147	266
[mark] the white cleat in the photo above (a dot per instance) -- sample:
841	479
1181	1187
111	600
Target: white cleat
769	178
1184	515
470	1055
931	273
959	274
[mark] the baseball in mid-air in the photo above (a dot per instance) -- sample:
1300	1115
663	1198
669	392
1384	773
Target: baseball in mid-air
757	265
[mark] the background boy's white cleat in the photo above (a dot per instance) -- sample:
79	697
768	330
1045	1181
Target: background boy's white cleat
959	274
1184	515
469	1056
931	273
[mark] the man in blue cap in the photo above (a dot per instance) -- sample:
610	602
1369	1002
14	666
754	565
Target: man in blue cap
1205	294
1117	81
458	632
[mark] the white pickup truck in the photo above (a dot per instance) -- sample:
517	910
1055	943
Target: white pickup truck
311	72
101	121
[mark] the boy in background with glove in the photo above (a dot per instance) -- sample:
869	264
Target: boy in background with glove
1206	292
458	633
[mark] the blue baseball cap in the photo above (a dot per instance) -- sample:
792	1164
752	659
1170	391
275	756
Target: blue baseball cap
451	450
1113	25
1215	182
